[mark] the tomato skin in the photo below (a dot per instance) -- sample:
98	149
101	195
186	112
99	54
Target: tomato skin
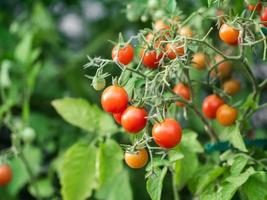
199	60
99	83
210	105
136	160
117	117
224	68
5	174
186	31
231	86
264	17
124	55
174	50
150	58
167	134
160	25
134	119
183	91
226	115
229	34
114	99
256	7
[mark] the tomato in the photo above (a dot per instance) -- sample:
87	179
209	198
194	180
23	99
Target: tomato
223	69
150	58
134	119
160	25
256	7
149	39
99	83
28	134
123	55
114	99
136	160
210	105
174	50
5	174
226	115
186	31
183	91
199	60
231	86
117	117
229	34
167	134
264	17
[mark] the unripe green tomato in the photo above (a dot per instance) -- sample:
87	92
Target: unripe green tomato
158	14
144	18
152	4
132	16
98	83
28	134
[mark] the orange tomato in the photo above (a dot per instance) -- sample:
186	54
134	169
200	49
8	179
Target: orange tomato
182	90
199	60
231	86
186	31
136	160
229	34
161	25
174	50
226	115
224	68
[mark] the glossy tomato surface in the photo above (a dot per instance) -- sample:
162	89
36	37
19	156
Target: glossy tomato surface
136	160
229	34
226	115
211	104
117	117
150	58
5	174
124	55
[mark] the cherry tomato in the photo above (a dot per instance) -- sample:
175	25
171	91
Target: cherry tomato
199	60
160	25
224	68
231	86
182	90
150	58
186	31
114	99
264	17
174	50
134	119
124	55
211	104
167	134
117	117
99	83
136	160
149	39
226	115
5	174
256	7
229	34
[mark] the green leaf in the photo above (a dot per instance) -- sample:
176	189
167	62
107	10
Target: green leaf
236	139
255	187
5	80
78	172
190	140
171	6
240	179
240	162
154	183
80	113
45	188
23	49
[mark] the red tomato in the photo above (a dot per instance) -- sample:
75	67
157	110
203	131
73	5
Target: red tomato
229	34
117	117
5	174
182	90
114	99
124	55
134	119
210	105
136	160
226	115
174	50
150	58
256	7
264	17
167	134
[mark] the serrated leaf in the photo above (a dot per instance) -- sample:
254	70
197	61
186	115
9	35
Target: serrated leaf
236	139
78	172
240	179
240	162
154	183
190	140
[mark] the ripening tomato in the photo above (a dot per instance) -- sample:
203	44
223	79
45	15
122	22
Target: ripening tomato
231	86
117	117
149	39
224	68
226	115
186	31
114	99
256	7
229	34
134	119
167	134
183	91
264	16
210	105
99	83
199	60
123	55
160	25
136	160
174	50
150	58
5	174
